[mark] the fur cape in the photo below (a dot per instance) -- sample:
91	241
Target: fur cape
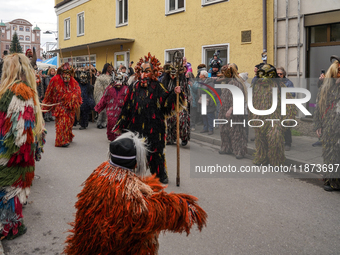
102	82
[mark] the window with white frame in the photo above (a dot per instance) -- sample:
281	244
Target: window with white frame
207	2
122	12
27	38
222	51
80	24
67	32
169	54
21	28
81	61
27	29
27	47
21	37
174	6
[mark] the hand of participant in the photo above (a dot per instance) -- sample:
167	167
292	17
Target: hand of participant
318	132
177	89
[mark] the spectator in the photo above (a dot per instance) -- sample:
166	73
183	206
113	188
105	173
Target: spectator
288	133
208	119
187	65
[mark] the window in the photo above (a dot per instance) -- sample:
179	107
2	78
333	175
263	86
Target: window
7	47
81	61
174	6
67	32
38	34
325	35
80	24
21	28
27	29
21	37
169	54
27	47
208	2
209	50
27	38
122	12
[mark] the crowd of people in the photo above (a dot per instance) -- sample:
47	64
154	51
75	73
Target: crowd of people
137	106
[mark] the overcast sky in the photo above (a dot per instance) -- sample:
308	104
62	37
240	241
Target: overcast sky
38	12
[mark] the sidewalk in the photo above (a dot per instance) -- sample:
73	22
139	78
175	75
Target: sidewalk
301	152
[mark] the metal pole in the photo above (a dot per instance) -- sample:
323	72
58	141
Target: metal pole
286	52
264	27
275	33
298	44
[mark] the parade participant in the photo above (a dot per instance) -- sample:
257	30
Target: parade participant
121	212
50	73
215	61
21	139
32	56
87	98
63	96
145	109
101	84
234	138
327	122
269	140
169	81
113	101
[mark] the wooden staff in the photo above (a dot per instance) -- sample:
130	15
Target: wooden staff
178	63
88	50
106	55
71	60
61	57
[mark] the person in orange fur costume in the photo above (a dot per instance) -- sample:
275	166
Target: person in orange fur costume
120	212
63	98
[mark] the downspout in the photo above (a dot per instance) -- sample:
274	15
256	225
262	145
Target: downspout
286	51
264	3
275	33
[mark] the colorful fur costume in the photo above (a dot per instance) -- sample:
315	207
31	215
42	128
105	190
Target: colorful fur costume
121	213
269	140
113	101
102	82
234	139
18	151
67	99
145	109
329	122
184	117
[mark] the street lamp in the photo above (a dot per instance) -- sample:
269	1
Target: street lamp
49	32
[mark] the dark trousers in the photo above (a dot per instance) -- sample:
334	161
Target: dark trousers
208	121
288	137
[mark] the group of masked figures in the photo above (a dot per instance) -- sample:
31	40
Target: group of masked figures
134	209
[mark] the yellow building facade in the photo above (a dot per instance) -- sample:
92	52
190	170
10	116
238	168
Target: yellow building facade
120	31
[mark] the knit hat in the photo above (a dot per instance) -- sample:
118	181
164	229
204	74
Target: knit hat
129	151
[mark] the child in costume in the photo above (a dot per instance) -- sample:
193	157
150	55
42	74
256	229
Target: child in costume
120	212
113	101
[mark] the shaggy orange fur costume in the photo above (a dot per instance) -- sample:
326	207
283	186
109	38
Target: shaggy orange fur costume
120	213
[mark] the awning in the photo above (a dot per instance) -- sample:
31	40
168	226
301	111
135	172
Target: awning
94	45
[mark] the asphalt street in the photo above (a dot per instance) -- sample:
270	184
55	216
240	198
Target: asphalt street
246	214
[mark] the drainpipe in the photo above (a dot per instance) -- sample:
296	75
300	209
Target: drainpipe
264	3
275	32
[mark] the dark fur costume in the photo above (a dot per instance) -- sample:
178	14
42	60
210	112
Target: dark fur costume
269	141
329	122
121	213
145	110
234	139
184	117
113	101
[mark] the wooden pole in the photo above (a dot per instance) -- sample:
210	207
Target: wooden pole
88	50
106	55
177	127
61	57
